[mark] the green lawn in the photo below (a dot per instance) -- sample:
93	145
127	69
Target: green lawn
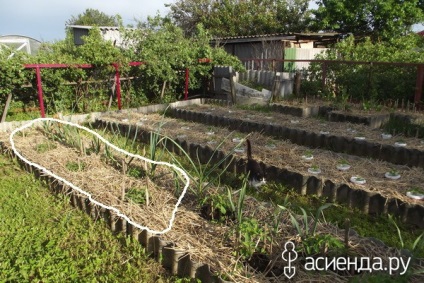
44	239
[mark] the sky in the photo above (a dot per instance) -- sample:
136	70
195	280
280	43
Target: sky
44	20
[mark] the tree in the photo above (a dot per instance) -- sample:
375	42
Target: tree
167	53
241	17
93	17
379	19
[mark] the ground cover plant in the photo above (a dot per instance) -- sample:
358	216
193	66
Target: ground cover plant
44	239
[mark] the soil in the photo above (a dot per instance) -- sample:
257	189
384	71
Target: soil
208	242
284	154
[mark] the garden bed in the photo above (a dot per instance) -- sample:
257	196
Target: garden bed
193	239
284	163
355	139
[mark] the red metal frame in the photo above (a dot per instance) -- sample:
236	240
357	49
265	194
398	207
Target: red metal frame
38	68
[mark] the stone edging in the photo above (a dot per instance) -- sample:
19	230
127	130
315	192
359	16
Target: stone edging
366	202
390	153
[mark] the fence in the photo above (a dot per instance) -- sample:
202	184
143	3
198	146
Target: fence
117	79
280	84
384	78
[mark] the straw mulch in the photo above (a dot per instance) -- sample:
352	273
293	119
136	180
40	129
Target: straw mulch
284	154
207	242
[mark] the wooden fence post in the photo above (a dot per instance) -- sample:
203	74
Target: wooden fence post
6	107
419	84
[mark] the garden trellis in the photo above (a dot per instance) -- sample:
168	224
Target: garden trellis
38	67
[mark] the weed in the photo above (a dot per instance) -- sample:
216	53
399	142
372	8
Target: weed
75	166
44	147
137	195
57	243
311	242
418	241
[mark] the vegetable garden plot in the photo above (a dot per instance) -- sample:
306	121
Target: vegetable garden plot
106	176
312	125
189	133
214	244
284	154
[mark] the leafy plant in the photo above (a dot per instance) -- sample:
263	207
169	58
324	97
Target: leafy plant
393	172
203	174
417	190
217	207
137	195
44	147
75	166
250	235
308	153
305	229
322	244
343	162
415	244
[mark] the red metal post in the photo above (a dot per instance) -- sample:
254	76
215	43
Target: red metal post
187	74
40	92
419	84
118	85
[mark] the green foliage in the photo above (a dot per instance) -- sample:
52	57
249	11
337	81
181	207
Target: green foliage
12	74
311	242
380	19
75	166
162	46
379	227
44	239
415	245
251	236
235	18
369	82
203	173
168	54
137	195
44	147
93	17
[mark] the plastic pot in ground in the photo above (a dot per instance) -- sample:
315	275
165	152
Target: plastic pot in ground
400	143
343	166
358	180
239	150
314	170
308	156
271	146
417	194
386	136
393	175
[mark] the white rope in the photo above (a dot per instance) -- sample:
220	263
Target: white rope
46	171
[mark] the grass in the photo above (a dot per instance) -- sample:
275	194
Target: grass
44	239
379	227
